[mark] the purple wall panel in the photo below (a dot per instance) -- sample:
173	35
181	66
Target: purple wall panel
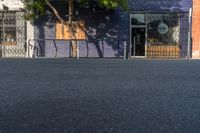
63	49
49	49
83	49
159	5
95	50
109	51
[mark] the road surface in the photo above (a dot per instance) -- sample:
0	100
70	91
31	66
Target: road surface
99	96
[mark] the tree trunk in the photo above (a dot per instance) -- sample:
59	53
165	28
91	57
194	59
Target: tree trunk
71	6
72	27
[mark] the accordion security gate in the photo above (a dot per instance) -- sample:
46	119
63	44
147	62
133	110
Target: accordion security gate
12	34
166	35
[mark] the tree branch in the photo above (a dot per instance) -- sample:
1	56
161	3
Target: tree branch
55	11
70	22
71	6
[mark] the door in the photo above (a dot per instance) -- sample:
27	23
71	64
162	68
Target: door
138	42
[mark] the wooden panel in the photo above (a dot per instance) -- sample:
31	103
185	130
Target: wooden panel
65	33
163	51
58	31
80	31
8	43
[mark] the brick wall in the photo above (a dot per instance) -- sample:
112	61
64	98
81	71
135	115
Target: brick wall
195	29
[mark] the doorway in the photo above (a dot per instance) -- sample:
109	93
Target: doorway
138	42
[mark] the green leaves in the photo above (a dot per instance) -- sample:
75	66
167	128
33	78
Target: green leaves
111	4
36	8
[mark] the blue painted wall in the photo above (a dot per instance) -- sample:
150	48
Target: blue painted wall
107	25
160	5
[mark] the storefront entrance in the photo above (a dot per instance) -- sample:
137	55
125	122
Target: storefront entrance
158	35
138	42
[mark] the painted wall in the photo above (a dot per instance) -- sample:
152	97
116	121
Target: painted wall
195	29
160	5
105	25
100	24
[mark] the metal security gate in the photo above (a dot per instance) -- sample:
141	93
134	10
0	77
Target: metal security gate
159	35
12	34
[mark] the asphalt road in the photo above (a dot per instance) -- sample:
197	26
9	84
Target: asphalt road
99	96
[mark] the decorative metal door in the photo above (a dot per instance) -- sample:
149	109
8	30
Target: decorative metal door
138	42
13	34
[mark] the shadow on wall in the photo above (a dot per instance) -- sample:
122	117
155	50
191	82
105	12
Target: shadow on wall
44	29
101	24
108	25
114	24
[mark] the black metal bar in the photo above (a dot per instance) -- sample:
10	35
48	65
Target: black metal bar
102	48
40	46
70	45
29	43
72	39
70	48
87	48
35	48
118	42
55	48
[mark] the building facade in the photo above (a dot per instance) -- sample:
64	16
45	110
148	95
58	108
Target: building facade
13	29
159	28
150	29
195	29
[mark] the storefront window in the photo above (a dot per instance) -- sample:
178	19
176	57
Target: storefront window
138	19
8	28
163	29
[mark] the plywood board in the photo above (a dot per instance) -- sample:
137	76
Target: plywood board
63	31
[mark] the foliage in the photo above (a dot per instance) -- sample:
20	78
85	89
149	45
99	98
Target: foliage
36	8
114	3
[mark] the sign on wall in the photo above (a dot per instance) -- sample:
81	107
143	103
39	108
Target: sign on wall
163	28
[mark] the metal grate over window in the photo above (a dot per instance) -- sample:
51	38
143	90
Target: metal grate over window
8	28
12	33
163	28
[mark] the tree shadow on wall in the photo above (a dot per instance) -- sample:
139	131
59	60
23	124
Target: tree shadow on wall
112	25
43	30
104	25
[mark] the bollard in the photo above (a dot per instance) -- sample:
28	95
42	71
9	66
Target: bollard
125	45
77	49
